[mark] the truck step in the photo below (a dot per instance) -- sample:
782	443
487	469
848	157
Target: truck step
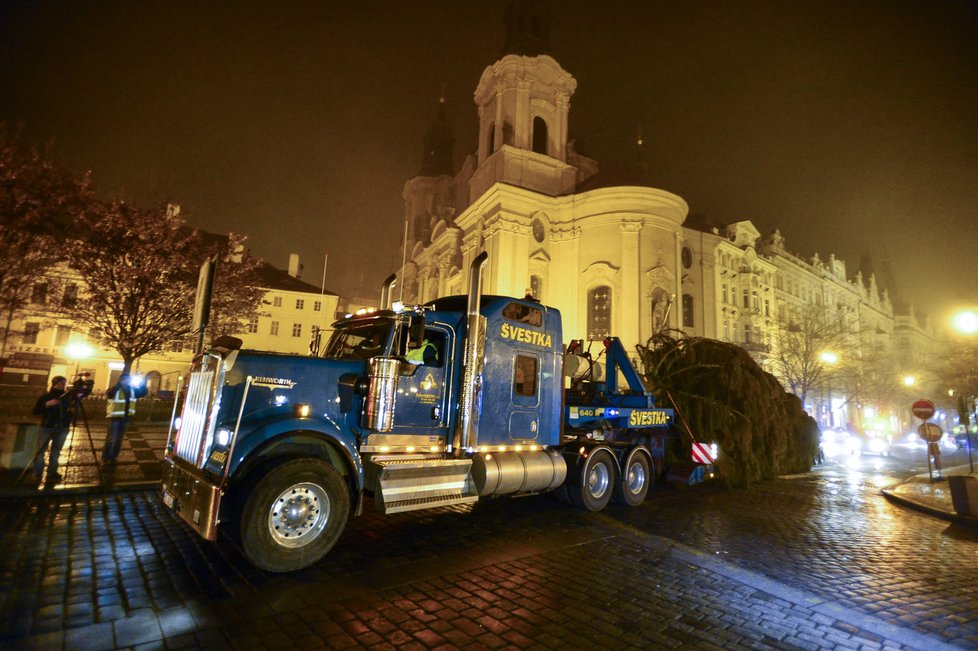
420	483
427	503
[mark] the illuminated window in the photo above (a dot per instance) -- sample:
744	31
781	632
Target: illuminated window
525	376
599	312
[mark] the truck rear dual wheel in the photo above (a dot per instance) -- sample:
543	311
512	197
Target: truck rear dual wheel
595	483
294	515
636	480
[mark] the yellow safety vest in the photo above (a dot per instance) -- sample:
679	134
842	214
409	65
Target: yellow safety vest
116	407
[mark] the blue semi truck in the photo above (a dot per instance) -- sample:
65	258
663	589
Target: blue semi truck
461	399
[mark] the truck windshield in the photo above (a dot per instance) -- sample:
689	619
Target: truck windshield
358	342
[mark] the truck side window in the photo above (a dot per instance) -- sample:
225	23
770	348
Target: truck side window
430	351
525	376
524	314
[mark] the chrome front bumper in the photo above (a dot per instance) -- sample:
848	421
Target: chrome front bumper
193	497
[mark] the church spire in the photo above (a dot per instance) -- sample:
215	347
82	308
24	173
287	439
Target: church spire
439	145
527	28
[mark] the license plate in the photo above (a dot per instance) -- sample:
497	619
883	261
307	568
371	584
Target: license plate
168	500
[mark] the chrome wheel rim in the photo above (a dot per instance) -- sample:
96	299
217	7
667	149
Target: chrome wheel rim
598	480
298	515
636	478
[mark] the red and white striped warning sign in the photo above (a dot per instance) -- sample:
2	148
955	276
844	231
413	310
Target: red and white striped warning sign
702	453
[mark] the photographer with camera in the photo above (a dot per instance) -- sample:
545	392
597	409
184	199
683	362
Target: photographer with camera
54	408
120	405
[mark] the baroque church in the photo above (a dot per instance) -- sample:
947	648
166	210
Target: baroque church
607	254
613	254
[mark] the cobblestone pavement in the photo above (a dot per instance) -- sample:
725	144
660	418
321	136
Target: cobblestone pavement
814	561
832	533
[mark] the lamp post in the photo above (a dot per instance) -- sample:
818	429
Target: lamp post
965	322
831	359
78	351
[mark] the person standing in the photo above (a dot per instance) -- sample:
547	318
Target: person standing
54	408
120	405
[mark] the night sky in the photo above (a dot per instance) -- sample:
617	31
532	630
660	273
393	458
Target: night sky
850	125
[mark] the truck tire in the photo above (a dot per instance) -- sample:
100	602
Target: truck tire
294	515
635	481
595	484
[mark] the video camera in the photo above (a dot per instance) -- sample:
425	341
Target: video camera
82	385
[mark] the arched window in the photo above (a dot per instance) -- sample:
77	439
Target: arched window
599	312
688	310
539	135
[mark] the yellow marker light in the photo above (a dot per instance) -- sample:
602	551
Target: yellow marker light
483	449
434	448
410	448
502	448
300	410
488	457
518	448
385	448
534	447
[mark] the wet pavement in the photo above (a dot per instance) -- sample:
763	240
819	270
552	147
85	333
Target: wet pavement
96	562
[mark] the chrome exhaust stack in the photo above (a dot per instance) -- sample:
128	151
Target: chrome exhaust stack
385	292
467	434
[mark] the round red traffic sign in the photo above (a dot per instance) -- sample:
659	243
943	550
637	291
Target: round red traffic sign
923	409
930	432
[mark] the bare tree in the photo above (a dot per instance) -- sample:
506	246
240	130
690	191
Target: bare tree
812	350
39	201
140	271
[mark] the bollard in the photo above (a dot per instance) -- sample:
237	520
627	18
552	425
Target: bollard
964	494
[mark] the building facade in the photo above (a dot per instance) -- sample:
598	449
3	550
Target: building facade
614	254
43	345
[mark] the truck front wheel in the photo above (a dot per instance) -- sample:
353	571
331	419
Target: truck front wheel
593	488
294	515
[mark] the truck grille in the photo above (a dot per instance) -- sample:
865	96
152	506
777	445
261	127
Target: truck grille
197	420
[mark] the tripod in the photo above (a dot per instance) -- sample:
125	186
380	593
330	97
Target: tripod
75	408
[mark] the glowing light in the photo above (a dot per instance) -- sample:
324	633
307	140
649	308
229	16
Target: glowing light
909	380
410	448
518	448
280	400
965	322
78	350
829	357
385	448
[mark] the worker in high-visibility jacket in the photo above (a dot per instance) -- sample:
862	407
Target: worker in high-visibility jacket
120	405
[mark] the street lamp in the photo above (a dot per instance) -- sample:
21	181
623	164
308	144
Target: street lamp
909	380
830	358
78	351
965	322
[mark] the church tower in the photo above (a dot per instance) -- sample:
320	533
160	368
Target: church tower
430	196
523	100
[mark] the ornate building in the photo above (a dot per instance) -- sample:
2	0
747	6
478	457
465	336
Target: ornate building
613	254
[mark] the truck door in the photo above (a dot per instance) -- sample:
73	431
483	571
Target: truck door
422	391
